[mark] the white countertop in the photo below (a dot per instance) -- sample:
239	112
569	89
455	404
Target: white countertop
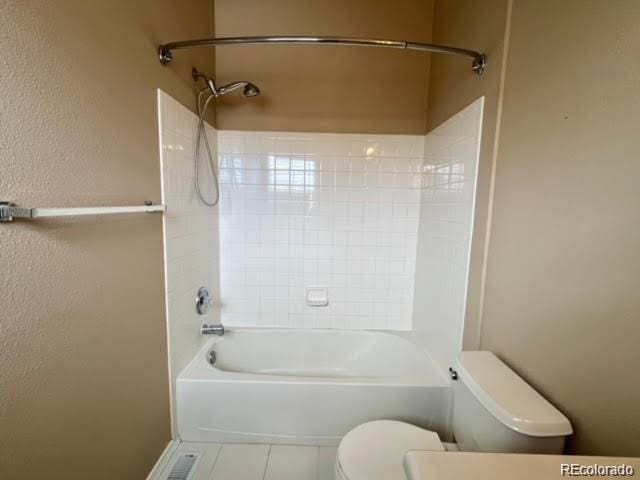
430	465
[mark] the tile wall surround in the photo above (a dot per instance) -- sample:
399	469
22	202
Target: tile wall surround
190	235
369	217
330	210
446	224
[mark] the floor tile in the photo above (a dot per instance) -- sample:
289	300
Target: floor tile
326	463
207	454
164	460
241	462
292	463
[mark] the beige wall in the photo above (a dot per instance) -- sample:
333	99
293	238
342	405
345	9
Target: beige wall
322	88
562	303
83	379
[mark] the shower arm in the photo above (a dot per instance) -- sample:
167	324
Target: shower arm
165	52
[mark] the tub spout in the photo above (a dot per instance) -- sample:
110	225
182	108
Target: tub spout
212	329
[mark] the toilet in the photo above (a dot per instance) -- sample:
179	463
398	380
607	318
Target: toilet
494	410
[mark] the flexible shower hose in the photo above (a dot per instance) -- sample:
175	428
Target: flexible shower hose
201	132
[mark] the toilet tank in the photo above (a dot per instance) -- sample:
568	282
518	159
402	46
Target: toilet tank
494	410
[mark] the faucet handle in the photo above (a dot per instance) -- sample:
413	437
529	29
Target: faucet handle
203	301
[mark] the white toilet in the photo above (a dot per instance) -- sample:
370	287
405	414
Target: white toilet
494	410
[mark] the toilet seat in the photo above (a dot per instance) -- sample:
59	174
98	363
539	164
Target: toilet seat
375	450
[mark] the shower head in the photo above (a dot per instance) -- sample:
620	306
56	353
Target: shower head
251	90
248	88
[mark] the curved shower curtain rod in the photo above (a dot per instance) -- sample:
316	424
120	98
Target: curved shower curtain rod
166	55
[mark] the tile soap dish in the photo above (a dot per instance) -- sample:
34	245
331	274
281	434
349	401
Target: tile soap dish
317	296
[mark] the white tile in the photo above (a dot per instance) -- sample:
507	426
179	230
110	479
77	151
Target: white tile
207	454
445	222
241	462
326	463
292	463
327	194
190	230
210	452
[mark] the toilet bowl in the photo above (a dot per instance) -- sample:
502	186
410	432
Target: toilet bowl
494	410
375	450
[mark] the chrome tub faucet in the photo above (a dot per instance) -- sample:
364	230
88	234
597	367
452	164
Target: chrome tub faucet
212	329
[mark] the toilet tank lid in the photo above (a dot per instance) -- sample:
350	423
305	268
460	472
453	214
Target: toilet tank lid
508	397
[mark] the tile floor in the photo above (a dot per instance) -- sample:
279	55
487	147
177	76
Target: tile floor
255	462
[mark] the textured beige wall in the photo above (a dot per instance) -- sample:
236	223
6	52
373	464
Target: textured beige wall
562	303
479	25
83	366
322	88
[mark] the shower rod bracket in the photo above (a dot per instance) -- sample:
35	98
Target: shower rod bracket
165	51
165	55
479	64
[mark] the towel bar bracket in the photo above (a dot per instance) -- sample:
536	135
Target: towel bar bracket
9	211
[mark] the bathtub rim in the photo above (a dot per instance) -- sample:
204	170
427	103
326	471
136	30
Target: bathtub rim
198	369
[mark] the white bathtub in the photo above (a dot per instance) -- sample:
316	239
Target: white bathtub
307	386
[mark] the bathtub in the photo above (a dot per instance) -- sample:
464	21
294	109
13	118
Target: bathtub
307	387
